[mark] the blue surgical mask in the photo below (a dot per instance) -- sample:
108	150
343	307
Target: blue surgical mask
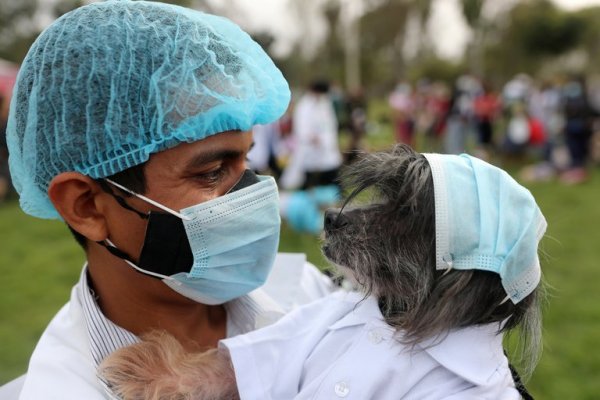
485	220
233	241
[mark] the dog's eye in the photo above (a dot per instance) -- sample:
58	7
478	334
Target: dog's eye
403	210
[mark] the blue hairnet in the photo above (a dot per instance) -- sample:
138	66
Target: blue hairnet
110	83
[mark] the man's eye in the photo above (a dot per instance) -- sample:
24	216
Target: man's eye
212	176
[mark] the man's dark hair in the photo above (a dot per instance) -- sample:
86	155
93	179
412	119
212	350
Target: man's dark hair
320	86
132	178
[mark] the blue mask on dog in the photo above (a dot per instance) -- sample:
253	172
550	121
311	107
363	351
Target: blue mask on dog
485	220
215	251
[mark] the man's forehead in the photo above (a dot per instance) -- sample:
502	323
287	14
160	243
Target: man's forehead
221	145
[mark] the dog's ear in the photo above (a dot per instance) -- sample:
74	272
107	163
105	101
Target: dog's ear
399	176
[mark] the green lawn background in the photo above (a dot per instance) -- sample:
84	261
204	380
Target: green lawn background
40	262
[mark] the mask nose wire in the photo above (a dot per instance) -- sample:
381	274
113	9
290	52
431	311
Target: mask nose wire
236	182
148	200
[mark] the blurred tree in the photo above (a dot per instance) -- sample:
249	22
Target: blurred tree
534	33
294	67
383	37
472	11
383	32
265	39
184	3
434	68
21	21
330	59
543	29
590	39
63	6
382	40
17	28
327	58
384	29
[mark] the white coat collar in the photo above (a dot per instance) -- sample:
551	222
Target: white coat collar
366	310
473	353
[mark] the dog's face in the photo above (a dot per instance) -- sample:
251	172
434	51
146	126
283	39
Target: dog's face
387	242
387	246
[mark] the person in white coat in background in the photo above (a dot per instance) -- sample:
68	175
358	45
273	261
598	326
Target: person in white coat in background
131	122
316	158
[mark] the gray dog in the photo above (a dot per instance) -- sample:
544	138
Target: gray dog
440	277
388	246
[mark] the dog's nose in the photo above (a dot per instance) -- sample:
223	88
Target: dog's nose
334	219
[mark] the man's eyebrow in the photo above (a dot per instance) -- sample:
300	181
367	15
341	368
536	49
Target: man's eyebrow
202	159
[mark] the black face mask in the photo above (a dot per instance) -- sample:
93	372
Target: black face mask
166	249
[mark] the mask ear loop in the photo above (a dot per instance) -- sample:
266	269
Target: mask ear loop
122	202
449	262
447	270
148	200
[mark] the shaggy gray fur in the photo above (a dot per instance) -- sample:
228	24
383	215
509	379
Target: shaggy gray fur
388	247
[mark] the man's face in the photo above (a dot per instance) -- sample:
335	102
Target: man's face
183	176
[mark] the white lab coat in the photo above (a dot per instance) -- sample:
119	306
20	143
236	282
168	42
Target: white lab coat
315	134
265	143
62	367
315	130
333	348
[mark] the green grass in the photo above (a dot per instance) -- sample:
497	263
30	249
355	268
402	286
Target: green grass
39	262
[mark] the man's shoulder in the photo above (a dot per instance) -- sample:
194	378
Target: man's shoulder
61	366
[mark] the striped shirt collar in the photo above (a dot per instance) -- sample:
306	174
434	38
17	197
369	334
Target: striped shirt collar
244	314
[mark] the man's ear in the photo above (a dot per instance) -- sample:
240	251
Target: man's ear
80	202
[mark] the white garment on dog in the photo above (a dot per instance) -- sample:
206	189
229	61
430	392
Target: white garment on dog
334	348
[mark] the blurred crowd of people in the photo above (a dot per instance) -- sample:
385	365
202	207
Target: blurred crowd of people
550	123
551	120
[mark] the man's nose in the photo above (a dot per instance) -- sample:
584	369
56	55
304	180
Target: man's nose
334	219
